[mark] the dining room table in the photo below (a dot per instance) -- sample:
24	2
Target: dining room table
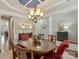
38	50
44	47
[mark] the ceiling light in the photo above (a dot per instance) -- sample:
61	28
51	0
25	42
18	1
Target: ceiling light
35	14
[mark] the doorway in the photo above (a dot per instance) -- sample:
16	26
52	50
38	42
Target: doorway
6	32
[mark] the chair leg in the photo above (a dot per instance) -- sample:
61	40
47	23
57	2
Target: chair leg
23	56
32	56
42	57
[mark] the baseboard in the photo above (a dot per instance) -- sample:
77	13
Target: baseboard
70	42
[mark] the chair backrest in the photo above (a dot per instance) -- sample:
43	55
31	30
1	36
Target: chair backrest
66	43
22	52
52	38
49	55
61	49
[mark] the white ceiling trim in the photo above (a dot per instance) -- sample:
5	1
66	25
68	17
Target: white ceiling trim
5	12
64	10
28	3
48	3
40	1
10	6
54	5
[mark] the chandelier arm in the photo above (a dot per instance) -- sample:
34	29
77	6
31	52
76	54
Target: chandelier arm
35	16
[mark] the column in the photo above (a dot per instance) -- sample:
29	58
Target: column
50	25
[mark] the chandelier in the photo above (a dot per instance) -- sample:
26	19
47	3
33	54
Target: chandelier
35	14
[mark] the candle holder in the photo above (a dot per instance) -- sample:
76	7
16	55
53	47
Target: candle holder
36	41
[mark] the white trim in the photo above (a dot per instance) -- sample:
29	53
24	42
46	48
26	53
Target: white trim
10	6
28	3
50	3
52	6
40	1
64	10
5	12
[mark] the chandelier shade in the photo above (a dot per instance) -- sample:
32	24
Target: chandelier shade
35	14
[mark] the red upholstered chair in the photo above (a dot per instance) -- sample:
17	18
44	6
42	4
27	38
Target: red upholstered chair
50	55
59	53
61	49
23	37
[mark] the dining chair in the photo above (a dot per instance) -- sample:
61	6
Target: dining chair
23	36
22	53
61	48
59	53
50	55
52	38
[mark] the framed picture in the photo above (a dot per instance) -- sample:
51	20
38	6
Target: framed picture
44	26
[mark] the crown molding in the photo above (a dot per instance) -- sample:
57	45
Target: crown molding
28	3
6	12
54	5
48	5
12	7
63	10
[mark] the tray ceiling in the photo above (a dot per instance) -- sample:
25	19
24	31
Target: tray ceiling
21	7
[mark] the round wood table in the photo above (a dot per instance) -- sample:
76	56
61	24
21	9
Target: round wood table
45	46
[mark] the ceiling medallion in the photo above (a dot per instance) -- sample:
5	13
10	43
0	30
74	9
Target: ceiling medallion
35	14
